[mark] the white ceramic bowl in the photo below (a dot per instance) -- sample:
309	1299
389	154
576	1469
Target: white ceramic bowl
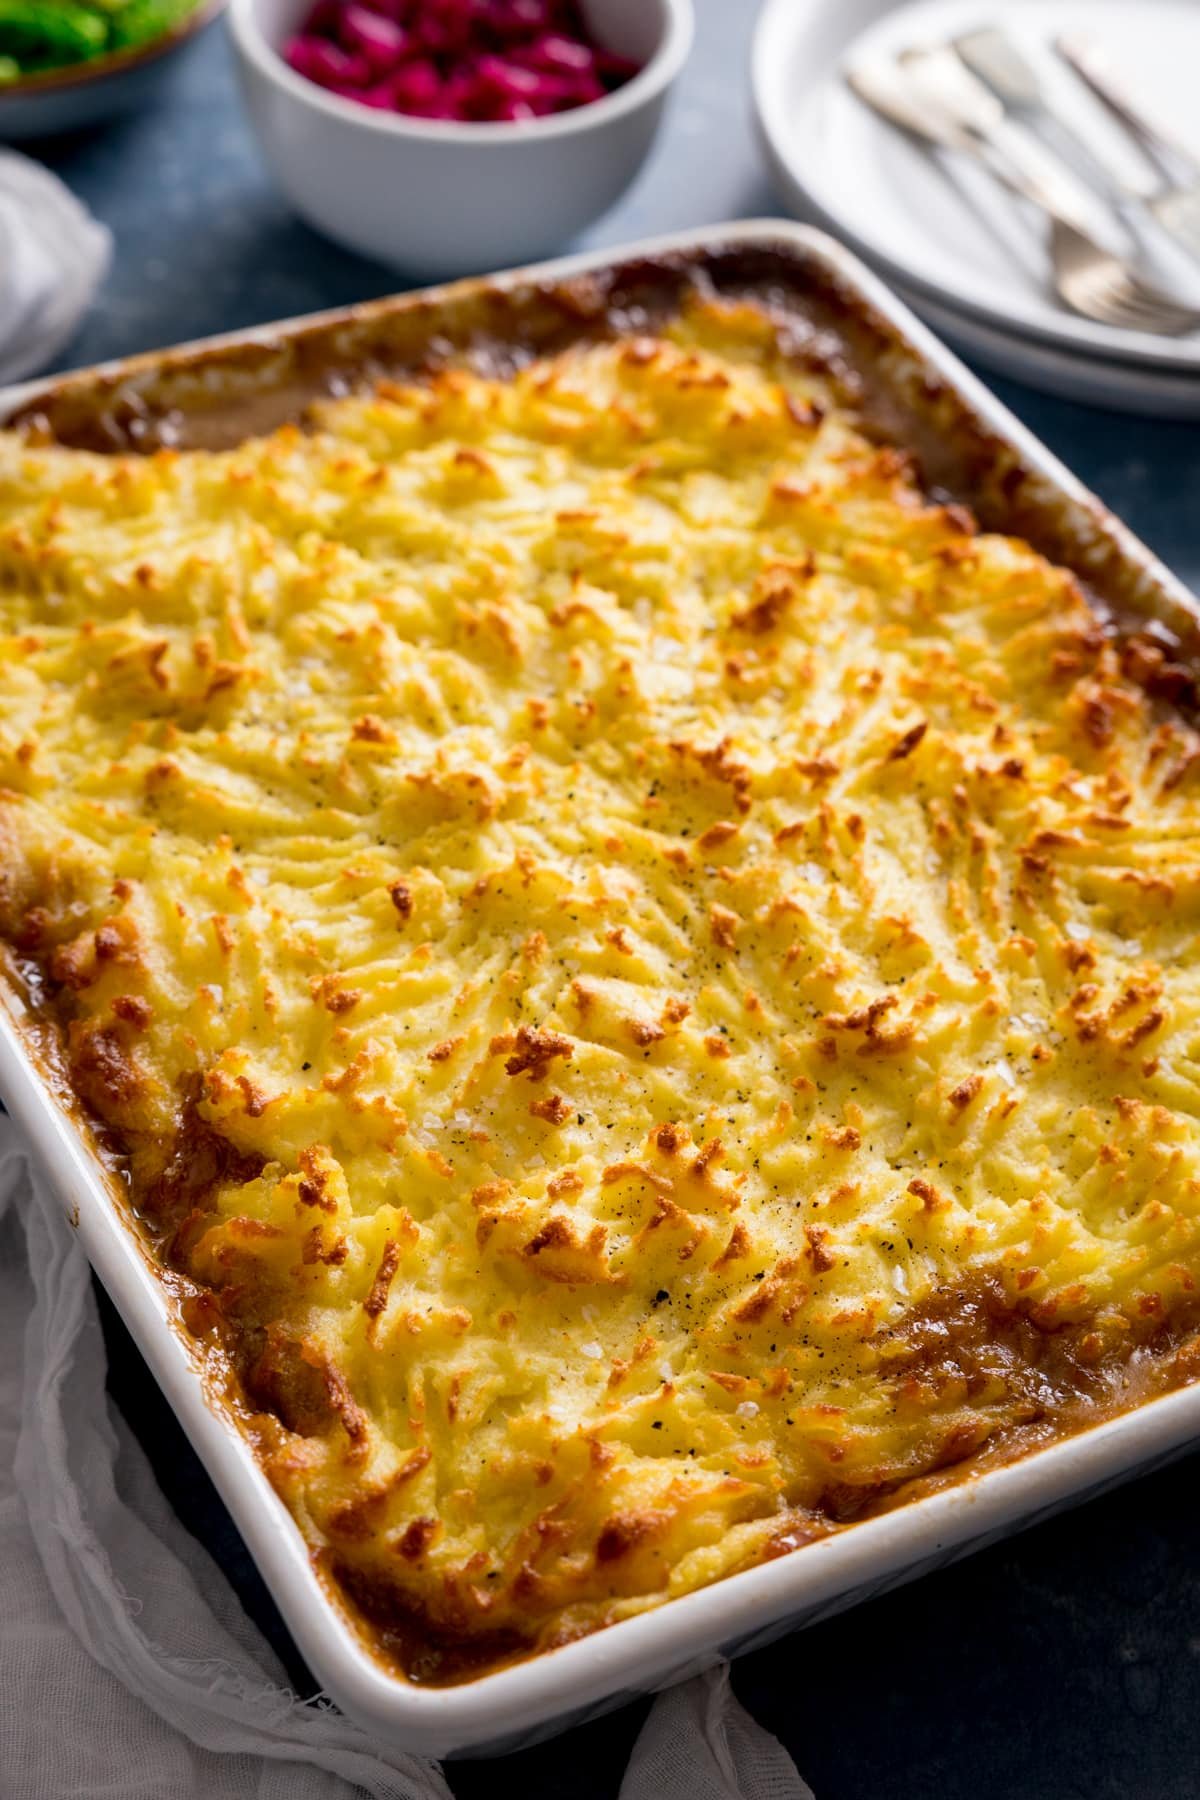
432	197
86	93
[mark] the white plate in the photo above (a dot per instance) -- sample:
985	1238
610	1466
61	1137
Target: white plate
1119	387
958	242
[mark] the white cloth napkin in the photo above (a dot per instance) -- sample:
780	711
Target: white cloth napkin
128	1670
53	257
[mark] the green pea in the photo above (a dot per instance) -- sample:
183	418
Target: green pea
140	21
48	34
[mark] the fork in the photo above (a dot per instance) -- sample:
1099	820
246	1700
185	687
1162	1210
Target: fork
1090	279
1102	286
1175	202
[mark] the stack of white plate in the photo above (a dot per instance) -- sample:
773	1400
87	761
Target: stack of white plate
960	251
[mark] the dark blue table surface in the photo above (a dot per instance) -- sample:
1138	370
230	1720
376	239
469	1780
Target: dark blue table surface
1061	1665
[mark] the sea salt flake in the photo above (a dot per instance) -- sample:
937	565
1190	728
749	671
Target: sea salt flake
747	1410
1076	932
591	1349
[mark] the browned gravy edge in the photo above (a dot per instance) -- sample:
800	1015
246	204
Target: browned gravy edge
31	1013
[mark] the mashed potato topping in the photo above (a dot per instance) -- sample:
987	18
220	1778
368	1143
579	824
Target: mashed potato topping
642	969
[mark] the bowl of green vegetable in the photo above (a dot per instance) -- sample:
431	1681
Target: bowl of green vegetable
67	64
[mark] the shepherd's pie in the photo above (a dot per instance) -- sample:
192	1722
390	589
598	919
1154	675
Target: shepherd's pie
640	969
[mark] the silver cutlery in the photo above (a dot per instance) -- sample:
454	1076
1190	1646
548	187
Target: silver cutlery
1161	226
946	82
993	56
1131	189
1174	198
1103	287
933	96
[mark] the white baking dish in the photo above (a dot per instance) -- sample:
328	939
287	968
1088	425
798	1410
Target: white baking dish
516	1703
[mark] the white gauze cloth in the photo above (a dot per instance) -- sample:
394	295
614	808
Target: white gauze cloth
128	1670
53	257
